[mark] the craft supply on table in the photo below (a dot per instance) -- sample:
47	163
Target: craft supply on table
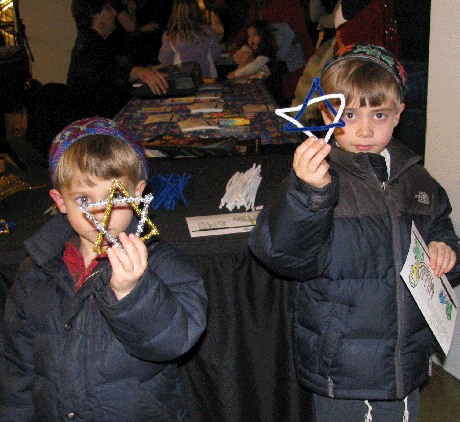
212	225
241	189
197	124
168	190
5	226
206	107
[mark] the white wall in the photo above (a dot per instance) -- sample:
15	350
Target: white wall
51	32
442	156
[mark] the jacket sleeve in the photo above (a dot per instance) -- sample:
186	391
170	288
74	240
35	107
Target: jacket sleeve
252	67
442	230
293	235
165	314
16	356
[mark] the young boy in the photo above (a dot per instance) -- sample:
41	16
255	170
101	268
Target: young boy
90	336
342	230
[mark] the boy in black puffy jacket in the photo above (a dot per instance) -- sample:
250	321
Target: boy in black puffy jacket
342	228
92	330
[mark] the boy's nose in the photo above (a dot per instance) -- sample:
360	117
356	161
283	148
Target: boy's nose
365	129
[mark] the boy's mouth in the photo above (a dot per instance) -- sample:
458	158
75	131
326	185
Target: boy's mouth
363	148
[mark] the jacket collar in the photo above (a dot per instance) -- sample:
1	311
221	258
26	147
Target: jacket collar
49	241
358	164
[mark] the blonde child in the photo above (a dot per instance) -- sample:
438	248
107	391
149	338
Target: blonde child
96	336
342	229
188	38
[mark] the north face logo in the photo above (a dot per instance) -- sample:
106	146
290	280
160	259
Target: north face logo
423	198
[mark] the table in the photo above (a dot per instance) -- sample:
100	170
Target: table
242	369
266	126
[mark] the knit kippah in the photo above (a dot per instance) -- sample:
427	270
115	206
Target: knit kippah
375	54
92	126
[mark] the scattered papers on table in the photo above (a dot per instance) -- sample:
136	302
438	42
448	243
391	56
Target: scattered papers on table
212	225
433	295
215	86
162	117
197	124
180	100
236	121
258	108
154	110
209	95
207	107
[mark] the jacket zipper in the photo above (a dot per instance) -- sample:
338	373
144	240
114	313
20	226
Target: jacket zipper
399	290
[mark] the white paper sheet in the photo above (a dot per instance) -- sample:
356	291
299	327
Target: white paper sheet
211	225
433	295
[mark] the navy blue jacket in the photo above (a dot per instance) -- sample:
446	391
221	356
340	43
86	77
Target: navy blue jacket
358	332
88	355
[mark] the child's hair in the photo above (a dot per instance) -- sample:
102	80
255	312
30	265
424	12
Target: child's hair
97	147
268	46
359	80
186	22
366	73
84	10
97	156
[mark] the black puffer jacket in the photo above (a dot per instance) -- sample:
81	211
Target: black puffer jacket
358	332
87	356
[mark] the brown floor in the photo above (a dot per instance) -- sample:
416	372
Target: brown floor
440	398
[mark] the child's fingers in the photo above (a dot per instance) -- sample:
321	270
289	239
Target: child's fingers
124	260
312	151
442	258
447	262
311	158
113	255
138	250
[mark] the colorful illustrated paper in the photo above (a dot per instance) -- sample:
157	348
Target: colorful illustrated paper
434	295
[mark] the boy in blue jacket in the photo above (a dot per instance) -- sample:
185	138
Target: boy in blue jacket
91	335
342	228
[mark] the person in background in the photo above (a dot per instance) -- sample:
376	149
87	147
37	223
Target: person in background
188	38
94	335
290	12
98	78
341	226
254	57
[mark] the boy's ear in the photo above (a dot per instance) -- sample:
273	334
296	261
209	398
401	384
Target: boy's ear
326	113
398	114
57	197
140	188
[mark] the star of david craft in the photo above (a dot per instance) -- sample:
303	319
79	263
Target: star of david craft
5	226
102	227
338	121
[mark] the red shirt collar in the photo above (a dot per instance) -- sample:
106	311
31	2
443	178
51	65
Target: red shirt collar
75	262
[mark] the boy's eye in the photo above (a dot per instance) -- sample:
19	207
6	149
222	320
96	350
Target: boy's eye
349	115
83	200
380	116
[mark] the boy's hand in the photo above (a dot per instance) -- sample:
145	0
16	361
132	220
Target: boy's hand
310	163
127	268
442	258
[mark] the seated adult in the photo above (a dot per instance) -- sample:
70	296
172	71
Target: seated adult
98	78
